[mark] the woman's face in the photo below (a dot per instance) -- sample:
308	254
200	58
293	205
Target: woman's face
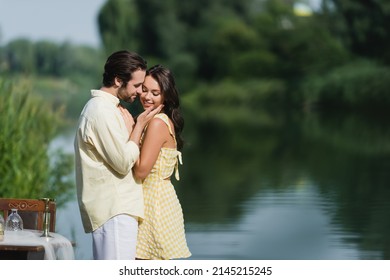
151	95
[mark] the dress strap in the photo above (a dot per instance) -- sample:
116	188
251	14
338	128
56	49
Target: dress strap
165	118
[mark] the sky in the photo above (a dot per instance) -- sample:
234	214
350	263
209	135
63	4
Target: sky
55	20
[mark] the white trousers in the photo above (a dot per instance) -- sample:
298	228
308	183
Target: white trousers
116	239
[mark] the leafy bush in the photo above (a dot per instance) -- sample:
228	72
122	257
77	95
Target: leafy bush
228	102
355	85
28	124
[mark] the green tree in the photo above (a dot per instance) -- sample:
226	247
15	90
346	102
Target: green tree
119	27
172	32
162	33
211	41
302	46
363	25
48	58
18	56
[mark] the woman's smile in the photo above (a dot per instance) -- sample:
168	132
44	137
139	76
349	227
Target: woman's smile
147	103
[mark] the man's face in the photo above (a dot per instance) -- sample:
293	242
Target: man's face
129	92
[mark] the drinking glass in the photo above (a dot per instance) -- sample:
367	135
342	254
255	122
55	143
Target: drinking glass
2	226
14	222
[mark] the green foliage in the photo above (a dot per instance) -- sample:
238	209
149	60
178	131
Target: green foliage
231	38
204	42
18	56
356	85
162	31
46	58
221	39
302	46
28	124
118	23
62	74
363	25
232	103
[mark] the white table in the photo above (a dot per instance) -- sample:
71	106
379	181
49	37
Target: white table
56	247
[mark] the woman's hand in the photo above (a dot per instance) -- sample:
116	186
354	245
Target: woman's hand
144	118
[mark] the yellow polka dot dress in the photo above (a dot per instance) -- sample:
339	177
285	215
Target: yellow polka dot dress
161	233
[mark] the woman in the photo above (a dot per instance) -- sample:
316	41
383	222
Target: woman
161	233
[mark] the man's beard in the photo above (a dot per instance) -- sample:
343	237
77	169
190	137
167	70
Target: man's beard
122	94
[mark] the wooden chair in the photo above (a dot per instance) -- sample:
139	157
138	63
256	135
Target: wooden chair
31	211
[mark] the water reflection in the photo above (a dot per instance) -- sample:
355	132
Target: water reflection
307	187
292	224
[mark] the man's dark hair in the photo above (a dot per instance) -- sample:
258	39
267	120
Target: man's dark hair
122	64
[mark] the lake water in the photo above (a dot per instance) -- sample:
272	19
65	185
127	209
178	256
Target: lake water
312	188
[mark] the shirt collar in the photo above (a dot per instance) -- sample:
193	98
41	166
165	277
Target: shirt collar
108	96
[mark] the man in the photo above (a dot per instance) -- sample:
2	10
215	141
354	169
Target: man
106	148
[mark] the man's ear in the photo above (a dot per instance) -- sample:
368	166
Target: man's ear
118	82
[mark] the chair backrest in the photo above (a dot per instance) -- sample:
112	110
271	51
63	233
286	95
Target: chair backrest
31	211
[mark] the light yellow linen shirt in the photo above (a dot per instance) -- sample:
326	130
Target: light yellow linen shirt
104	157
